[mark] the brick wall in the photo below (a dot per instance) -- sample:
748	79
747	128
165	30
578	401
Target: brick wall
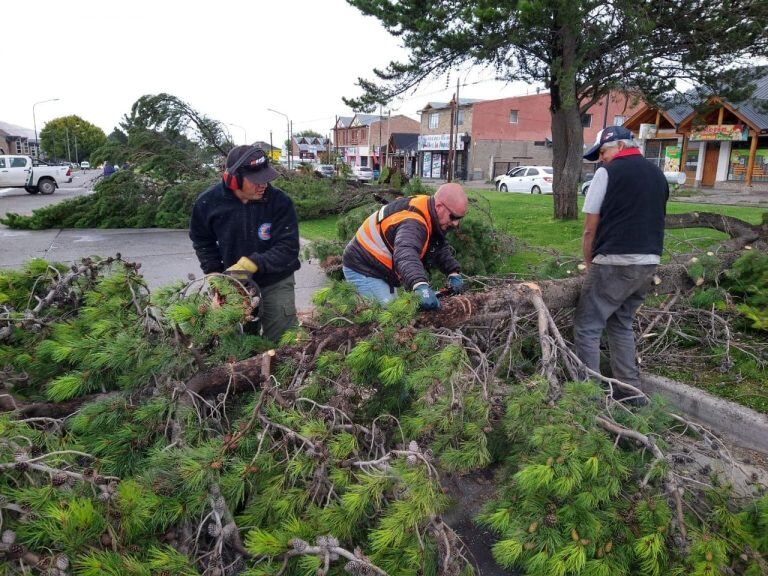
522	152
444	121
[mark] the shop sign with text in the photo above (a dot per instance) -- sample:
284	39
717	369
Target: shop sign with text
727	132
440	141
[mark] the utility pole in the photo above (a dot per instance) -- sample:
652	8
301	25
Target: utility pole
456	145
69	154
77	158
381	120
605	112
449	168
270	145
389	136
290	143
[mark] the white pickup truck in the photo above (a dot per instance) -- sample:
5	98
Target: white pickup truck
18	172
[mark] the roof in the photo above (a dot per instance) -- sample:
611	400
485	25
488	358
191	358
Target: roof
405	141
753	109
14	130
344	121
442	105
366	119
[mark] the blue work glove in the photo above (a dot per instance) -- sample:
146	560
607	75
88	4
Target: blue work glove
428	297
456	283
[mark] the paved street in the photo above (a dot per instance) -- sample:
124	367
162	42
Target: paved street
165	255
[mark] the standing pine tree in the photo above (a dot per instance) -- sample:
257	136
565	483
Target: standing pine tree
580	49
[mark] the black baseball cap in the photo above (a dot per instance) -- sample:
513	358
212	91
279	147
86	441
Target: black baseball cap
252	162
608	134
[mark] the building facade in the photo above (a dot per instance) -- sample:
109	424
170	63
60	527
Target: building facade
308	147
361	140
493	136
723	146
17	140
440	120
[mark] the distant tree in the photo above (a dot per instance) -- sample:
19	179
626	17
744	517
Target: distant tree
308	134
118	135
580	49
56	133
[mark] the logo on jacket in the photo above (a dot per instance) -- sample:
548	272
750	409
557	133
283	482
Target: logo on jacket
265	231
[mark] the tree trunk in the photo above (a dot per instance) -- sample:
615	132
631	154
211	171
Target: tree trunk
567	132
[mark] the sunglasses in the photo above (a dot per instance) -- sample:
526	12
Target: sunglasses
451	215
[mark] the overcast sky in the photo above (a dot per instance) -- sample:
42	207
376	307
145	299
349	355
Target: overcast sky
229	59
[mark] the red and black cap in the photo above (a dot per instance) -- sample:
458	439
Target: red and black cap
252	162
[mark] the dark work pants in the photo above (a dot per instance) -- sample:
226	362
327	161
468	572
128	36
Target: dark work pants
610	297
278	308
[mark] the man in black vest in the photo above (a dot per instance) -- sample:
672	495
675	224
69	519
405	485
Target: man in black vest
622	243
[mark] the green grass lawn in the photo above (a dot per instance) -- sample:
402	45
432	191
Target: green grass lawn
529	219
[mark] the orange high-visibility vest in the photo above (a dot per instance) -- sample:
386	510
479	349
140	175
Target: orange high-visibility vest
372	234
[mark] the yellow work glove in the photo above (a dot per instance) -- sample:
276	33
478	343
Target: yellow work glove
242	270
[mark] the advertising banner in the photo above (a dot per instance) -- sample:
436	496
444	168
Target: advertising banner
437	161
647	131
440	141
728	132
672	158
426	165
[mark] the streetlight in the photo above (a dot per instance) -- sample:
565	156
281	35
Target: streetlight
245	134
34	121
288	128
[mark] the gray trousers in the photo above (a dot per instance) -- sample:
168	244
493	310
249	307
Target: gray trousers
278	308
610	297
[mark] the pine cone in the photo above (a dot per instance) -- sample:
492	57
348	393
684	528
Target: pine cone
22	466
9	537
21	456
228	530
413	446
411	460
219	504
59	479
551	519
214	530
62	562
355	567
16	549
298	545
43	563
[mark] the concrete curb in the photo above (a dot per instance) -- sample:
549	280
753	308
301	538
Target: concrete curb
739	424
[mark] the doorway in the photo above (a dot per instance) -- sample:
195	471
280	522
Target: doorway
711	155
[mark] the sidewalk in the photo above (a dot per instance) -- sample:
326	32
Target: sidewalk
166	256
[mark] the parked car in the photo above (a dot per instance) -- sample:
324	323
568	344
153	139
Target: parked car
325	170
85	165
363	173
19	172
586	183
526	179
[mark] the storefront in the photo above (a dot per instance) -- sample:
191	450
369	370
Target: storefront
724	147
738	161
433	155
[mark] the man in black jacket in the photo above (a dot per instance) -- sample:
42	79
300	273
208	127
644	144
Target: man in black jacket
246	228
394	243
622	243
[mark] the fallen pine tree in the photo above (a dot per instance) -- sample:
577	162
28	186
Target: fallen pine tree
146	434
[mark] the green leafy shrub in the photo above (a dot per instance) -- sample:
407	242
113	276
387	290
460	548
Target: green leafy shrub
748	279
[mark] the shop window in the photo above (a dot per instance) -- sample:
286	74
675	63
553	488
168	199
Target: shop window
586	120
434	118
691	162
460	119
513	116
18	146
655	150
737	165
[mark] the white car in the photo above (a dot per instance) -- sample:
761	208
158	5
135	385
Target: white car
526	179
85	165
363	173
20	172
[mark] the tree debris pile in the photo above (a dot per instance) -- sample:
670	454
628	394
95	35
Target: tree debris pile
146	434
